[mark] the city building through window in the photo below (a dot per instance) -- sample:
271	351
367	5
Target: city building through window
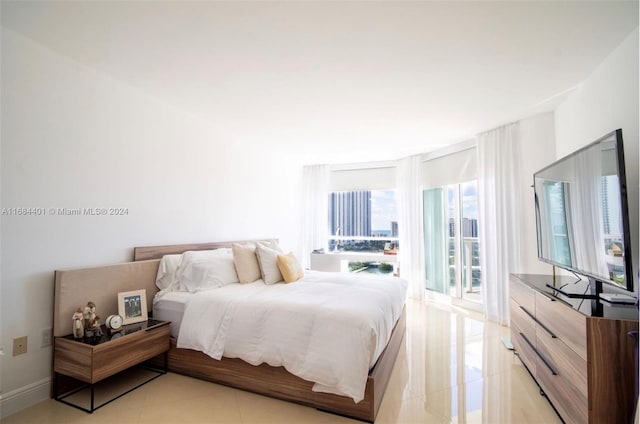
364	221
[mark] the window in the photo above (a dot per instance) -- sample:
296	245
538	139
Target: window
363	221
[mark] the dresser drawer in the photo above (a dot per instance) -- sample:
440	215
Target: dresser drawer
522	319
521	293
562	322
569	366
522	346
565	397
128	351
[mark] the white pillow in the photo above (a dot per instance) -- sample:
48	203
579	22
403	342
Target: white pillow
203	254
205	270
268	261
166	279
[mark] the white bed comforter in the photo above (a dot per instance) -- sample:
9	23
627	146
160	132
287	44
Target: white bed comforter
328	328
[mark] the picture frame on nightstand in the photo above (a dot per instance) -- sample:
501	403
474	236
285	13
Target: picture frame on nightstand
132	306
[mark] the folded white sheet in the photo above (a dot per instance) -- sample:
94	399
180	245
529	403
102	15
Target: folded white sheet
170	306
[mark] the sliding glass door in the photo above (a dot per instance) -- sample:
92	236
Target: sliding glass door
452	249
436	240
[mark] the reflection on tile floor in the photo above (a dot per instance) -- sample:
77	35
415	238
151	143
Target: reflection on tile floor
452	368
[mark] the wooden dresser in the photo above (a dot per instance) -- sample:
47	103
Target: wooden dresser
584	364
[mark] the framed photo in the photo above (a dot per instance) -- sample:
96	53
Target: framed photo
132	306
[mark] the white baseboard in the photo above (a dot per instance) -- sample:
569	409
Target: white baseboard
24	397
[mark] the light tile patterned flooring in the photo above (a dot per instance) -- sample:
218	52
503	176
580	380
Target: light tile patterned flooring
452	368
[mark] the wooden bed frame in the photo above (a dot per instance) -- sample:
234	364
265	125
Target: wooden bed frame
102	283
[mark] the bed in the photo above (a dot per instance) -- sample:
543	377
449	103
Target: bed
274	381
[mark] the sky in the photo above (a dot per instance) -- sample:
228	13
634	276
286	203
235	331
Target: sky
469	200
383	209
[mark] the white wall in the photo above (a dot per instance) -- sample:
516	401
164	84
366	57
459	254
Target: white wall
75	138
608	100
537	150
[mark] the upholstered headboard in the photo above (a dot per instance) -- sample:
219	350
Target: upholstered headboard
76	287
101	285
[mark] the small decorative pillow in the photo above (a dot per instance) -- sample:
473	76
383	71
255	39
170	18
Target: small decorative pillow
290	268
166	279
268	261
246	262
206	269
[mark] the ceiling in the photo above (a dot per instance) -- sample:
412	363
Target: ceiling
339	81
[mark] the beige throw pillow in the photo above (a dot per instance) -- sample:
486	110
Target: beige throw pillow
290	268
246	262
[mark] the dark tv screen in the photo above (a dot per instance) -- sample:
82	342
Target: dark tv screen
582	218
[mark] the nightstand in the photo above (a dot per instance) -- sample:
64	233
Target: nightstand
91	361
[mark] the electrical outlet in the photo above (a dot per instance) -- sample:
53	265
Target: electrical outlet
47	337
19	346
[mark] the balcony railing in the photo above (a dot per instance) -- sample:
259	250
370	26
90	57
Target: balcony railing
362	244
471	282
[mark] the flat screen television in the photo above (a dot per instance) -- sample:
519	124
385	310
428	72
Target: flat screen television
582	218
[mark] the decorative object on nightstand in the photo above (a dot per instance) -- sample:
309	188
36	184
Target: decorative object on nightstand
89	316
78	324
97	330
114	323
132	306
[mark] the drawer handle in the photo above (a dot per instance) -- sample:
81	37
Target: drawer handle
528	313
528	342
549	298
553	336
544	361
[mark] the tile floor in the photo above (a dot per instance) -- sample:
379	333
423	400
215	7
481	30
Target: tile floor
452	368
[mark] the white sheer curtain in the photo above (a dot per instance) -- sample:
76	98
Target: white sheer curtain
498	176
315	210
411	253
585	201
